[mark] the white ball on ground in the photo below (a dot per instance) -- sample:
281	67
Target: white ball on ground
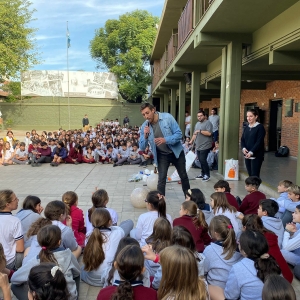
152	181
138	196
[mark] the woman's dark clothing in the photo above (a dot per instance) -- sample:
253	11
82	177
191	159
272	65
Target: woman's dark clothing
253	140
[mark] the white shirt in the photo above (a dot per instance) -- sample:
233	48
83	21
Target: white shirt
144	226
113	215
8	154
188	119
10	232
21	153
233	217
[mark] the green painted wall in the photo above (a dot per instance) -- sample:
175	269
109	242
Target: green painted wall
50	113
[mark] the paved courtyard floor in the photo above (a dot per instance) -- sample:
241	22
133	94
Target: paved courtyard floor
49	183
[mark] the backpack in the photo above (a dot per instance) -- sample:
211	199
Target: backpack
283	151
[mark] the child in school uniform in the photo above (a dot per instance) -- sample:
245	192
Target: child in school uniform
156	206
146	157
223	186
251	201
266	211
30	213
194	222
291	240
55	214
122	155
21	155
11	233
49	238
282	188
7	154
220	206
290	204
100	248
130	266
88	157
246	278
220	255
71	201
134	157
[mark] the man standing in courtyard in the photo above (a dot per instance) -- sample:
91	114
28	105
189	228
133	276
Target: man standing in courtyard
203	136
85	123
215	120
126	121
163	134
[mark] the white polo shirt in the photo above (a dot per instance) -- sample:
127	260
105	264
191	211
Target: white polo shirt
10	232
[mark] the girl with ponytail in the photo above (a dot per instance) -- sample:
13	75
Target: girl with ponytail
47	281
101	246
246	278
220	255
193	220
49	238
130	265
156	206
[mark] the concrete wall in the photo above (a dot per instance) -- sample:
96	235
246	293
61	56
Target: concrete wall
50	113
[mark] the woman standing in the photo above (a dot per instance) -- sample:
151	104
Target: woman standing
252	143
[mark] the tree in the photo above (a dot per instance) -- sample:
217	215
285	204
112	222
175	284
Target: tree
17	44
123	47
14	90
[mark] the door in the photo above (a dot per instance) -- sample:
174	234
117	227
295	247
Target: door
275	124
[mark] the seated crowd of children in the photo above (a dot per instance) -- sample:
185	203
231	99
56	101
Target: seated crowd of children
221	250
107	144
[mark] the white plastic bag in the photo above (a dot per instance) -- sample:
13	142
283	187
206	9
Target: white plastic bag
189	159
231	169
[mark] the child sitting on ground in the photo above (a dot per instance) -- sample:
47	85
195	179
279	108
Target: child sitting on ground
21	155
246	278
49	238
220	206
134	156
220	255
291	240
7	154
122	155
251	201
159	239
156	206
101	246
282	188
266	211
146	157
290	204
11	234
223	186
71	201
194	222
130	266
197	196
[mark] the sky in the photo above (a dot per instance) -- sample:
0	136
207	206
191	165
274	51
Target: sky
84	17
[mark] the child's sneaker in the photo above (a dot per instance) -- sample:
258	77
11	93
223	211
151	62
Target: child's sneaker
199	177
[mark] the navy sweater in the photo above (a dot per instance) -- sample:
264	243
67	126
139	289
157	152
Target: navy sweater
253	140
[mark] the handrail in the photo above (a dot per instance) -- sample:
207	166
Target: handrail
172	48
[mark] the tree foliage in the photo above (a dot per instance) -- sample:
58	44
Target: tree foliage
17	44
14	90
124	46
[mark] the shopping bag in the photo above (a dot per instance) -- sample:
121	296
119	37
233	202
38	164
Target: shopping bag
189	159
231	169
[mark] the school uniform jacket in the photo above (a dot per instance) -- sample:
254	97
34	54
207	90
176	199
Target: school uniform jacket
200	235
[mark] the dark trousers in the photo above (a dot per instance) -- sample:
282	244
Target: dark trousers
202	156
163	162
254	165
43	159
216	135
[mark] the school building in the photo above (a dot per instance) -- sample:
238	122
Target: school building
231	55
